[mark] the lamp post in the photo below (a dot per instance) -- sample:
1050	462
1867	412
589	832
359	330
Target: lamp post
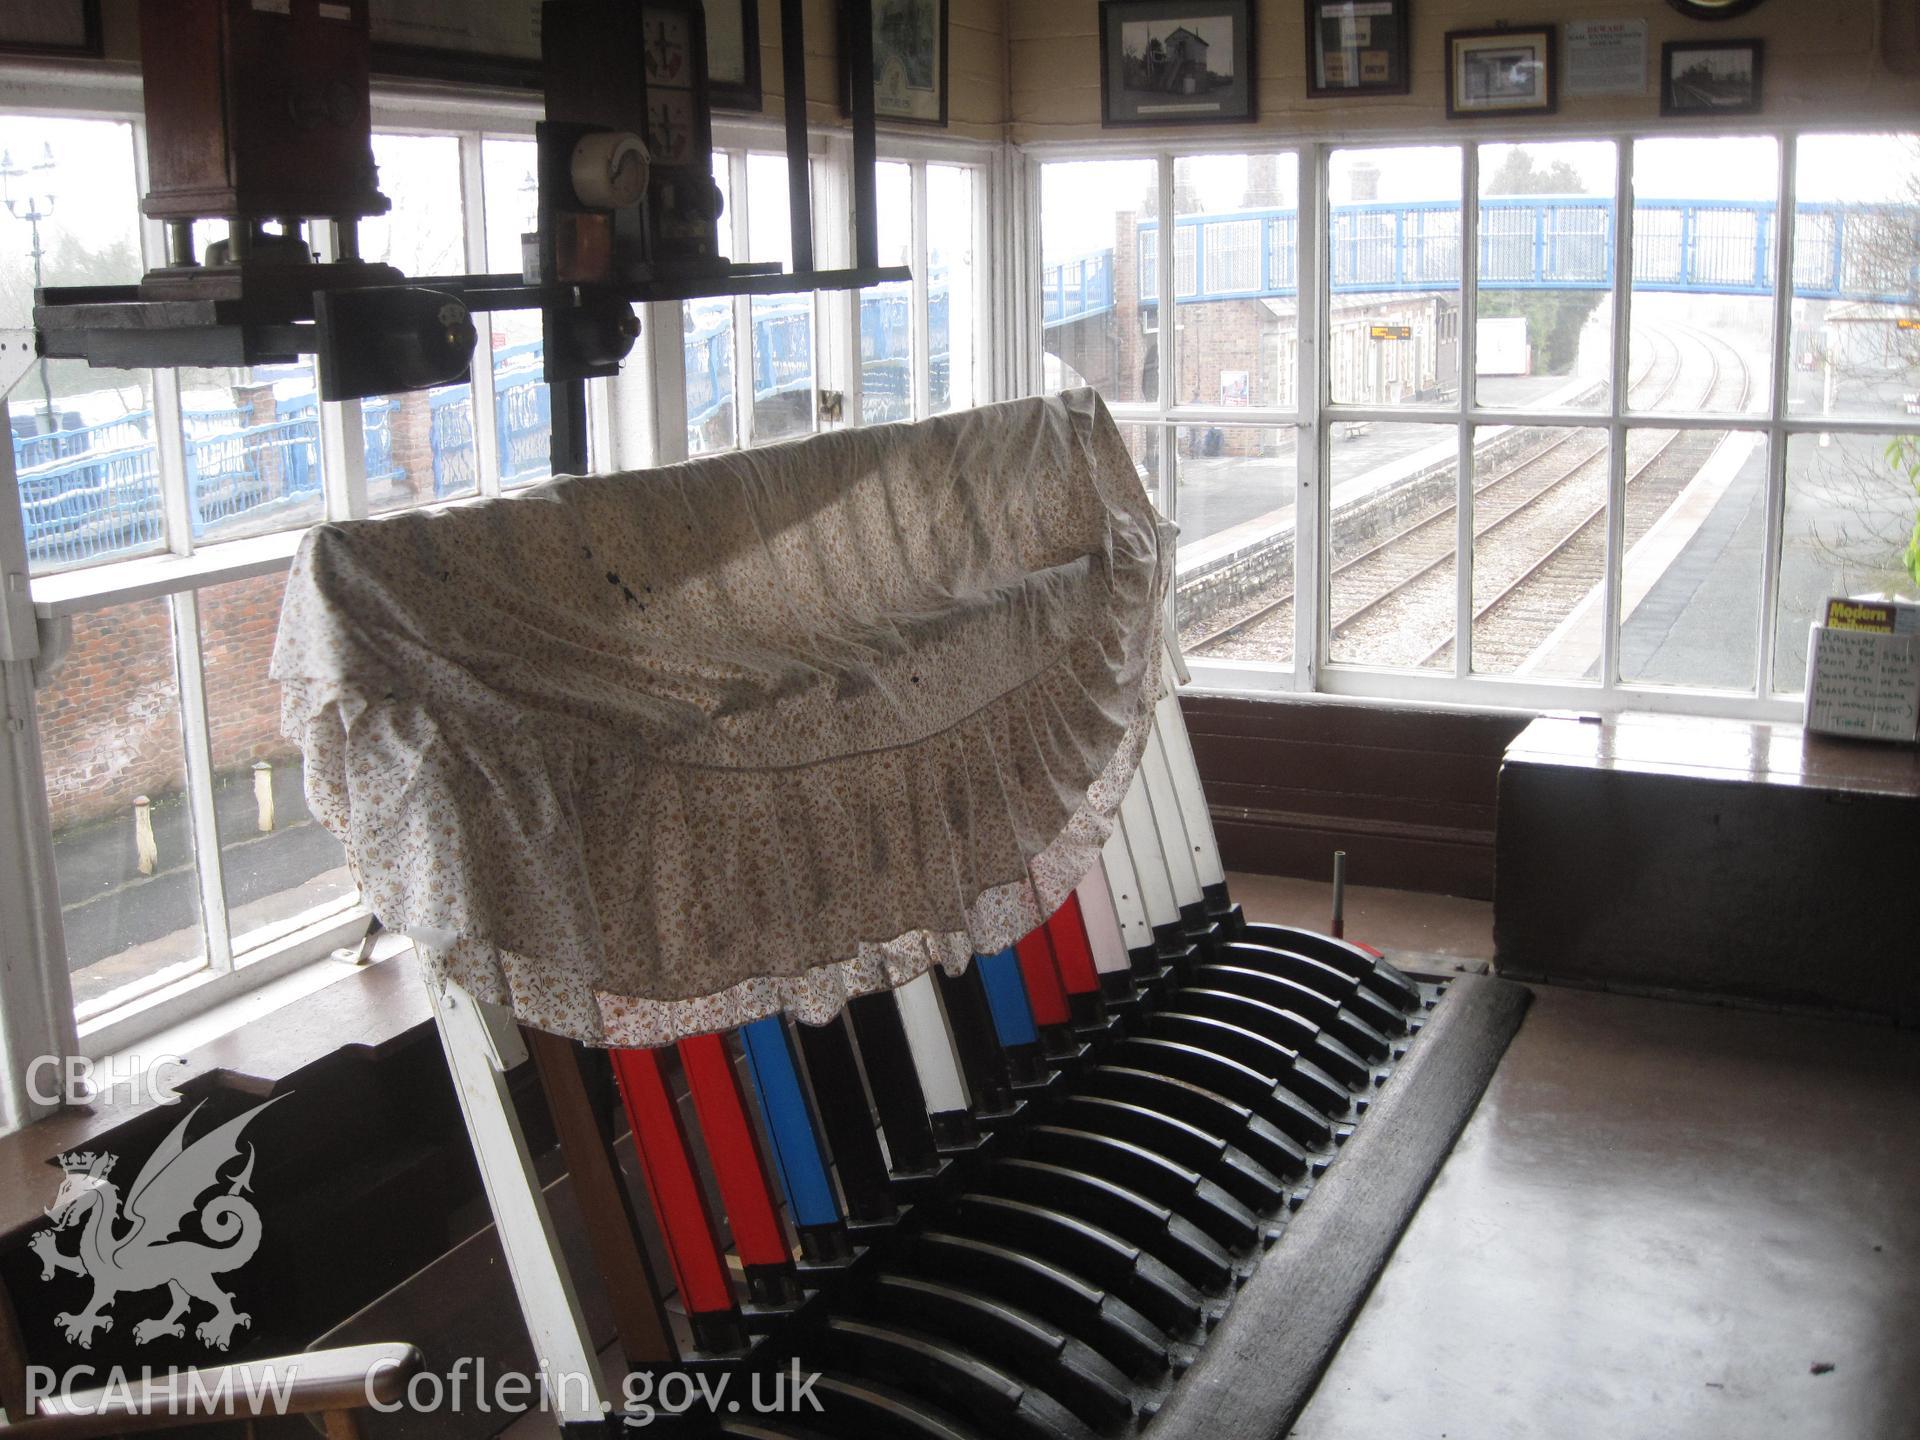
27	191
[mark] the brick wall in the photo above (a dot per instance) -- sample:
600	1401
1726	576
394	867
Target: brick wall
110	722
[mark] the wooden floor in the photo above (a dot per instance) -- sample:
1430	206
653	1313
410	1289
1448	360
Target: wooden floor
1664	1220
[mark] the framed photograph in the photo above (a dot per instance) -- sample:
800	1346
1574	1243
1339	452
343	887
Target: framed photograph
1356	47
51	27
497	44
909	61
1710	77
1176	62
1502	72
733	54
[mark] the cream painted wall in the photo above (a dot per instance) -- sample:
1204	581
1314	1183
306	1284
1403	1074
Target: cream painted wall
976	66
1823	62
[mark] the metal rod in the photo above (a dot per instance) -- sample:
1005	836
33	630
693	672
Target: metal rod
1339	894
866	200
793	71
567	450
840	1100
180	250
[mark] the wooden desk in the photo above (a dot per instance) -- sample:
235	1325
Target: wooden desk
1713	857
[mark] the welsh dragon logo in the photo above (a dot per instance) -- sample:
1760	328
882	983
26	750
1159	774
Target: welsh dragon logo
130	1246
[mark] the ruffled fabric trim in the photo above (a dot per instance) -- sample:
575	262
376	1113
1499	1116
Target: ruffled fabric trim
662	754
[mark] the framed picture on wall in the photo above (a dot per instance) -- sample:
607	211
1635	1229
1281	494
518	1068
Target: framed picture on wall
909	61
1502	72
1356	47
497	44
733	54
51	27
1176	62
1710	77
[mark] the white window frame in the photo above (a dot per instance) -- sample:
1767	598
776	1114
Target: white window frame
1310	673
836	314
635	420
37	615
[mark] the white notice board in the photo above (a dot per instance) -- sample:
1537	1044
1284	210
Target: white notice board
1606	57
1863	683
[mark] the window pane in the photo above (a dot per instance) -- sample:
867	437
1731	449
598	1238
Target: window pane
951	320
708	327
419	445
1393	255
782	324
282	868
1235	278
82	438
1703	247
89	486
1099	306
1544	308
1856	263
1234	502
116	785
1853	508
886	311
522	408
1539	551
1144	443
1390	575
253	449
1695	535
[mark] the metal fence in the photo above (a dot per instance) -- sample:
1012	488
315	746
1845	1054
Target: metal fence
92	492
1541	242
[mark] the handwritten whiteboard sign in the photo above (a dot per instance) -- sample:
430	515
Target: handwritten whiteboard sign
1863	683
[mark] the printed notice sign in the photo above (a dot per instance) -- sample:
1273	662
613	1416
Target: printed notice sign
1606	57
1863	683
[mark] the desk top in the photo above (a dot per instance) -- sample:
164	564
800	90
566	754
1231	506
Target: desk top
1692	747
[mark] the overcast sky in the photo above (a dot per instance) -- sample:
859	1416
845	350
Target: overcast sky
95	194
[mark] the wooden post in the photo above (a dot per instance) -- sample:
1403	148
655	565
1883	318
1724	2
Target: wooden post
481	1045
612	1227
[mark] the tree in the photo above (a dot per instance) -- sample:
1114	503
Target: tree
1554	317
1866	353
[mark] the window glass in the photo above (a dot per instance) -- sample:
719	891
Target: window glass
123	846
1695	534
951	304
1393	255
1236	300
1856	276
83	439
1099	301
522	407
420	445
282	868
708	329
1852	528
1703	256
1539	551
1234	501
782	369
1543	307
1145	444
886	311
1390	576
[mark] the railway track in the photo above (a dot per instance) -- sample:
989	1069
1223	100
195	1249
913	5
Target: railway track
1519	601
1376	589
